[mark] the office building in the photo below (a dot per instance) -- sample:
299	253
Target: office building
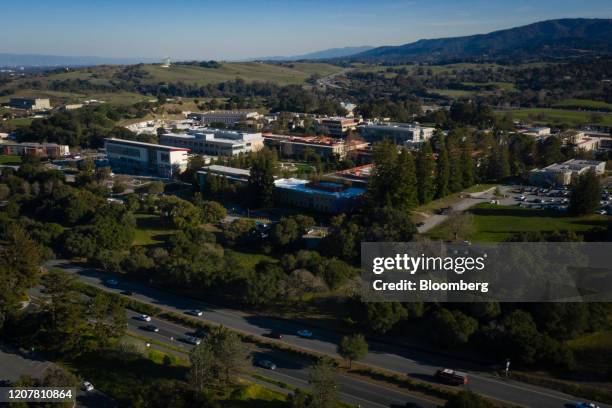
214	142
50	150
562	174
402	134
337	126
228	117
232	174
324	147
323	196
139	158
33	104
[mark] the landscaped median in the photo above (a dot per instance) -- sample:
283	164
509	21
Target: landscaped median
359	369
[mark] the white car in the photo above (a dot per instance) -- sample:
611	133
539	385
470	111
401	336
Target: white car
193	340
521	198
144	317
87	386
304	333
194	312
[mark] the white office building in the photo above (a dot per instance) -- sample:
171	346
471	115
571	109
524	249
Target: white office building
139	158
402	134
214	142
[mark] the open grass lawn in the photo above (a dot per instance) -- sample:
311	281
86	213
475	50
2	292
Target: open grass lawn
504	86
249	260
584	103
559	116
495	223
149	230
10	160
255	395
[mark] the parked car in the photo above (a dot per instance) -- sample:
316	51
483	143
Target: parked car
276	335
304	333
87	386
112	282
194	312
266	364
451	377
144	317
151	328
585	405
193	340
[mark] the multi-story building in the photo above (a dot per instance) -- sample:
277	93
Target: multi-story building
33	104
139	158
402	134
51	150
232	174
323	196
215	142
337	126
228	117
324	147
562	174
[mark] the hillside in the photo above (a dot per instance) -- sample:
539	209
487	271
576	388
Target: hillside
323	54
543	40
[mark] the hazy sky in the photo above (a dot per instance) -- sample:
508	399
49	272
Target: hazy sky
185	29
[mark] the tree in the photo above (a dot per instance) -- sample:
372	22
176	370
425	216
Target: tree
461	225
20	259
585	194
322	379
155	187
467	163
442	170
452	328
179	214
213	212
108	319
382	316
425	174
202	371
261	178
353	347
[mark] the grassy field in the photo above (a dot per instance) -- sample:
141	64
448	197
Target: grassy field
248	260
450	199
504	86
585	104
10	160
594	350
558	116
149	230
495	223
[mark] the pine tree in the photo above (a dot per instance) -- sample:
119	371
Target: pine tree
425	173
261	179
442	171
405	183
467	163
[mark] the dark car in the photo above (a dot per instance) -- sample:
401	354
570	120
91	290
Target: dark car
451	377
127	293
151	328
266	364
276	335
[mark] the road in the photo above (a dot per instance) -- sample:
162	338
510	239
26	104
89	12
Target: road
460	206
14	364
402	360
290	369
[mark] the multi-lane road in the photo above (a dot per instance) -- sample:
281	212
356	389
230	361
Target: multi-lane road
290	369
398	359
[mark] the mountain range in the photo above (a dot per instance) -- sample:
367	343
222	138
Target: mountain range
40	60
323	54
552	39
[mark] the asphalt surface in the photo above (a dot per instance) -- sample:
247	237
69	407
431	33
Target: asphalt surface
290	369
402	360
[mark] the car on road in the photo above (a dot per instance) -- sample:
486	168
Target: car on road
151	328
275	335
127	292
451	377
521	198
112	282
87	386
585	405
304	333
192	340
194	312
265	364
144	318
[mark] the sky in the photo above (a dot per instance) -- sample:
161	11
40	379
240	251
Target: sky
237	29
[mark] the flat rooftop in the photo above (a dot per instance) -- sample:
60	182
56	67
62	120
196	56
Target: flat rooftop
233	171
306	187
143	144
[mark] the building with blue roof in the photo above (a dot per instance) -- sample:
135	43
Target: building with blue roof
324	196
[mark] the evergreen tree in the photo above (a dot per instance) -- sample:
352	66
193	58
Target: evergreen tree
261	179
424	174
405	189
467	163
442	170
585	194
